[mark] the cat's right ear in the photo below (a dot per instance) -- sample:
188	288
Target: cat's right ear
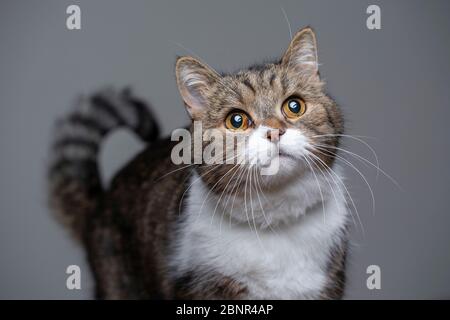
194	80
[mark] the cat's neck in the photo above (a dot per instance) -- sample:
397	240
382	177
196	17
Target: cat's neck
264	209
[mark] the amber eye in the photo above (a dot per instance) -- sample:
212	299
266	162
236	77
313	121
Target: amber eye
293	108
237	121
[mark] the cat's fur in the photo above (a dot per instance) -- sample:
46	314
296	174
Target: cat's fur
164	231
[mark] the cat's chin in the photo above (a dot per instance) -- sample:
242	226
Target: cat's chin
290	169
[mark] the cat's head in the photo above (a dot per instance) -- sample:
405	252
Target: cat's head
280	109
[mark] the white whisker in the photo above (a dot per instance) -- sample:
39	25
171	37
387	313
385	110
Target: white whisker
287	21
345	188
362	159
357	170
318	184
356	138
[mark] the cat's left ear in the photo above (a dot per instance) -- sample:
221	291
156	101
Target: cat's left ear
301	55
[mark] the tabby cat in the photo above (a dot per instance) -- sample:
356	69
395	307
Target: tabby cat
213	231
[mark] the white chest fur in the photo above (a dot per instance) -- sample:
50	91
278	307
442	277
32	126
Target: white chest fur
288	261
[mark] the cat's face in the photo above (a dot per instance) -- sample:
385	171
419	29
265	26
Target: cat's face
280	109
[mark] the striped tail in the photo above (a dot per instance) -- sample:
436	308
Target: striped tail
74	180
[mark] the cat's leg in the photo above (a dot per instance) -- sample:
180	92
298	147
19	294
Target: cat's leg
109	261
334	289
209	285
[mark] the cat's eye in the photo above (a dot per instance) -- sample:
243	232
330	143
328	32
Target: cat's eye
237	121
293	108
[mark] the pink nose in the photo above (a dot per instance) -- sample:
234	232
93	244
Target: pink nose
275	134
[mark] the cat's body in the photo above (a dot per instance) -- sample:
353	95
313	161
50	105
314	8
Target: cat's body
171	231
288	261
149	247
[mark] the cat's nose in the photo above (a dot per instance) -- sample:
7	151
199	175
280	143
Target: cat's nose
275	134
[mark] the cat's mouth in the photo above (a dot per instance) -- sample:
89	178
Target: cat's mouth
285	155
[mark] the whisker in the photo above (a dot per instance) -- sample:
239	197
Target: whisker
218	156
325	173
345	188
287	21
320	189
170	172
191	52
211	189
245	200
223	192
253	215
187	189
362	159
229	195
356	138
241	175
338	183
358	171
260	203
190	186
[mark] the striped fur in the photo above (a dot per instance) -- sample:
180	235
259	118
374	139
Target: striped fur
74	180
155	234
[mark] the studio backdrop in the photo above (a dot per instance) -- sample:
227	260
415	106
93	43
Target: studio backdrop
385	63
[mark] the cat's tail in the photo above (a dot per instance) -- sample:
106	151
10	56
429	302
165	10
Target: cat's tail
74	178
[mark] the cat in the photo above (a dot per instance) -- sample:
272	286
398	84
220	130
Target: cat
213	231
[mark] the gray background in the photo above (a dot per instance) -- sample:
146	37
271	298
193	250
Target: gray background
393	85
